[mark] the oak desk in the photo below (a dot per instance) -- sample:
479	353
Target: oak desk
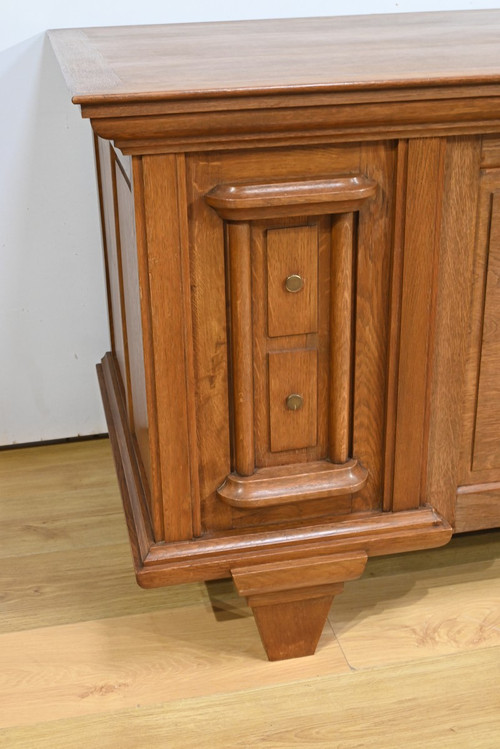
301	223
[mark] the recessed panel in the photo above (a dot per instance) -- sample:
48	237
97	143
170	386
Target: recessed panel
292	280
487	432
293	399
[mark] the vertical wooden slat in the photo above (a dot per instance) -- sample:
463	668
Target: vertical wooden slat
122	352
240	280
182	202
109	209
105	196
395	321
375	227
129	288
341	336
155	488
165	264
421	250
453	322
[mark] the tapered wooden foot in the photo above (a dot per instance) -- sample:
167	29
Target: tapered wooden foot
290	600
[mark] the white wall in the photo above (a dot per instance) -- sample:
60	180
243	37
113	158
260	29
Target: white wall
53	325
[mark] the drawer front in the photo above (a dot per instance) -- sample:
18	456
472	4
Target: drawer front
292	280
293	398
290	338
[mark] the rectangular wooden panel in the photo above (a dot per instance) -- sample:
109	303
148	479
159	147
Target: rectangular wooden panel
421	247
107	185
263	343
368	241
453	322
490	156
293	373
292	251
168	289
372	258
487	432
138	412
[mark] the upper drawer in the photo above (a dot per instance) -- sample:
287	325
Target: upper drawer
292	280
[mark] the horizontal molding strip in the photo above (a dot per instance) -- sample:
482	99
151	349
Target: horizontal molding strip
278	485
241	202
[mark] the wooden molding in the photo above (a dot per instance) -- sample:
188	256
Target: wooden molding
243	202
126	460
238	204
267	487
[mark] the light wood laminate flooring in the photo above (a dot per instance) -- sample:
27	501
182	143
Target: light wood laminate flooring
410	655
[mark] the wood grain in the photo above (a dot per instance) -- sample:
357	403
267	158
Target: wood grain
314	711
490	153
372	261
292	251
394	330
290	601
460	47
341	335
358	161
479	509
453	315
138	407
240	294
293	373
167	285
486	437
471	472
268	298
96	661
268	487
243	202
451	611
105	159
422	227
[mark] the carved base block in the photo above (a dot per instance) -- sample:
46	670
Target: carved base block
291	600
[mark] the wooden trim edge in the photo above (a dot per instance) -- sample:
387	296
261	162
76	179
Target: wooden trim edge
268	487
210	558
126	462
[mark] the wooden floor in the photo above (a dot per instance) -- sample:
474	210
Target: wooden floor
410	656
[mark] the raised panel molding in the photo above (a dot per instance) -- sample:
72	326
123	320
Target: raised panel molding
294	373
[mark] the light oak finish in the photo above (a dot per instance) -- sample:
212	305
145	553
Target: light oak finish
91	660
301	228
487	443
459	48
290	601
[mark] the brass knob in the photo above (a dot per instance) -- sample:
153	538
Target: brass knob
294	283
294	402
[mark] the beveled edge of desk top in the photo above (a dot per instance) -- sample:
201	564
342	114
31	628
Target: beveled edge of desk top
179	62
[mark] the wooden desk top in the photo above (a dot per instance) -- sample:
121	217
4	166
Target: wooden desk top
312	55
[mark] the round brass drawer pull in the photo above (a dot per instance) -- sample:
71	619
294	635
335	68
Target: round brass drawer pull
294	402
294	283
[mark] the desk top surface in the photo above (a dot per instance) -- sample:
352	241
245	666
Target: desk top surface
168	62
